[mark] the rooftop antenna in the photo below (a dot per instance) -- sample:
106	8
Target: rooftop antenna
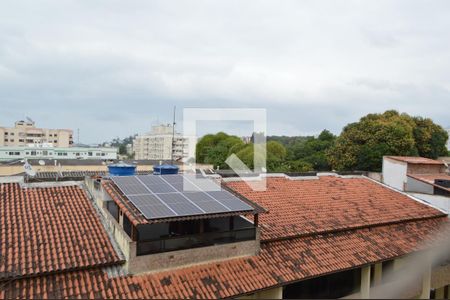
173	134
78	136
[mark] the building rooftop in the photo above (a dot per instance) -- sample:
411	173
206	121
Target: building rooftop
417	160
137	218
430	178
336	224
48	230
330	203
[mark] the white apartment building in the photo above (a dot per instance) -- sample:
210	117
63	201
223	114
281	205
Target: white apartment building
25	132
157	144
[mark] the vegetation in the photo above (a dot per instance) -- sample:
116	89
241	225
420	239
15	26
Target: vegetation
362	145
121	144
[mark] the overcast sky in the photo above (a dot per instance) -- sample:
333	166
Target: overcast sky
113	68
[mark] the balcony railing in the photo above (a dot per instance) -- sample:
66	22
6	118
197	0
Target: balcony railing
194	241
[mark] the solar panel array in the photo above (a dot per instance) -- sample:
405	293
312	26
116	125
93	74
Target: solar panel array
164	196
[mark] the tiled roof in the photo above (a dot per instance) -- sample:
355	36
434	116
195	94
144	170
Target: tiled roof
416	160
299	207
46	230
278	263
331	240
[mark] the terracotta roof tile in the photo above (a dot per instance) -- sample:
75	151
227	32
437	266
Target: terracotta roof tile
416	160
279	262
301	207
49	230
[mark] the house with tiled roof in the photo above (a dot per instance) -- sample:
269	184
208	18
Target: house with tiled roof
323	236
424	178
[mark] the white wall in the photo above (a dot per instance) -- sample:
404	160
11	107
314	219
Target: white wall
394	173
441	202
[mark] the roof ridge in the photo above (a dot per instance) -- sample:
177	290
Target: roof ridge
354	228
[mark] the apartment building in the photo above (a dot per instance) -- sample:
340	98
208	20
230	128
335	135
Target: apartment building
324	236
25	132
157	144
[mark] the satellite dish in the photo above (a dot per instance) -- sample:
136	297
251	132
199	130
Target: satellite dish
41	162
29	169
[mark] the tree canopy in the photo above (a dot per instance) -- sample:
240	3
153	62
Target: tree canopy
215	148
362	145
312	150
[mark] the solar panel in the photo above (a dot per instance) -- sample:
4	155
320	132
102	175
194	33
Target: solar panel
164	196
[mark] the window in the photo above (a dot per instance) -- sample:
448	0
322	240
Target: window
12	133
11	140
21	140
55	141
90	153
6	140
45	152
6	133
77	154
103	154
33	152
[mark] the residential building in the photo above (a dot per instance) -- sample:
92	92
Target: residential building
25	132
157	144
47	151
324	236
423	178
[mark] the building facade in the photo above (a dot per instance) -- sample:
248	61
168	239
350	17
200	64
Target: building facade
46	151
157	144
25	132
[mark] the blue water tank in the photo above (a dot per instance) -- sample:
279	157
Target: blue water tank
165	170
121	169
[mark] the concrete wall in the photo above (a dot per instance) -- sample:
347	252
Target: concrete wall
182	258
438	201
6	170
394	173
418	186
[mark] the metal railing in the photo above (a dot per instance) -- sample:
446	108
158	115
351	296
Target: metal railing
194	241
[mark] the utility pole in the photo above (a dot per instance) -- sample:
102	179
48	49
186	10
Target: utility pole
173	134
78	136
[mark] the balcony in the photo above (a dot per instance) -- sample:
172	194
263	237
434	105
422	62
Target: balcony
174	243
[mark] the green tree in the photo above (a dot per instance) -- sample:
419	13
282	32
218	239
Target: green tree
313	150
215	148
362	145
275	153
430	138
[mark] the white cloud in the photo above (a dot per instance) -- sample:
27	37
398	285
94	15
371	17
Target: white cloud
324	63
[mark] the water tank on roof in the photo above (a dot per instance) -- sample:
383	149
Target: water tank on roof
121	169
165	170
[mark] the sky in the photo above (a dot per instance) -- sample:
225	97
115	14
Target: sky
114	68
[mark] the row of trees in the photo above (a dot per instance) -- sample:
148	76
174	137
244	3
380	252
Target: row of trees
360	146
